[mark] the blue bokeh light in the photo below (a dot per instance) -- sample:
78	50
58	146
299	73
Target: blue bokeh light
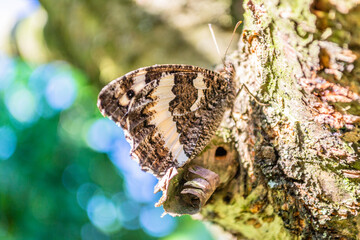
60	91
102	213
154	225
128	210
7	71
53	83
41	75
22	104
8	141
120	156
85	192
18	9
103	134
140	187
132	224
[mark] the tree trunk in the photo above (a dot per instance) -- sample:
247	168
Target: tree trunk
299	155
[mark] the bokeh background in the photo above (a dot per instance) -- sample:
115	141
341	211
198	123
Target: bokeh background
65	171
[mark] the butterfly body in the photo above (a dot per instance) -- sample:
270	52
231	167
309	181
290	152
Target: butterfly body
168	112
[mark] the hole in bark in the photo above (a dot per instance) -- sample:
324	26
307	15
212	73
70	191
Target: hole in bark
220	152
227	198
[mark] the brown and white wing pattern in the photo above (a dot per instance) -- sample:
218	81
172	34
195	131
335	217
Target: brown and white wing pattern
168	112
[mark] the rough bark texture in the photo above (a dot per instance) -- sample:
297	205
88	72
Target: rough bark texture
299	156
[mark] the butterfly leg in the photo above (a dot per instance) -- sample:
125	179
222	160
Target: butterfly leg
243	86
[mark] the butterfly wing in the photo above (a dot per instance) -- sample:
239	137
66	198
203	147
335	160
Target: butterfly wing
168	112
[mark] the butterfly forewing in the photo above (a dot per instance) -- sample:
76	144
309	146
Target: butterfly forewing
168	112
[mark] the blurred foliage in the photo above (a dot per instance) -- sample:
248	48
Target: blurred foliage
113	37
57	182
65	171
122	35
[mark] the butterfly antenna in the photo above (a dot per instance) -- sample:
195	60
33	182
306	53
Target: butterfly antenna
232	36
216	45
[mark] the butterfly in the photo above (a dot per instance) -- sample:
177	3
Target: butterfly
168	112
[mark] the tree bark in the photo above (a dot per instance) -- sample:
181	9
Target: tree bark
299	155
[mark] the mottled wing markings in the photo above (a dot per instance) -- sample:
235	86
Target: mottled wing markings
162	118
138	85
168	112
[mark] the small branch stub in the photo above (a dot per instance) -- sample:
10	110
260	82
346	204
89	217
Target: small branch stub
186	190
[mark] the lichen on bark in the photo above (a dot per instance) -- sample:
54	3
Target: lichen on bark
299	155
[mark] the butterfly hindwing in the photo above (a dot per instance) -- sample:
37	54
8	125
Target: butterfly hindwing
168	112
